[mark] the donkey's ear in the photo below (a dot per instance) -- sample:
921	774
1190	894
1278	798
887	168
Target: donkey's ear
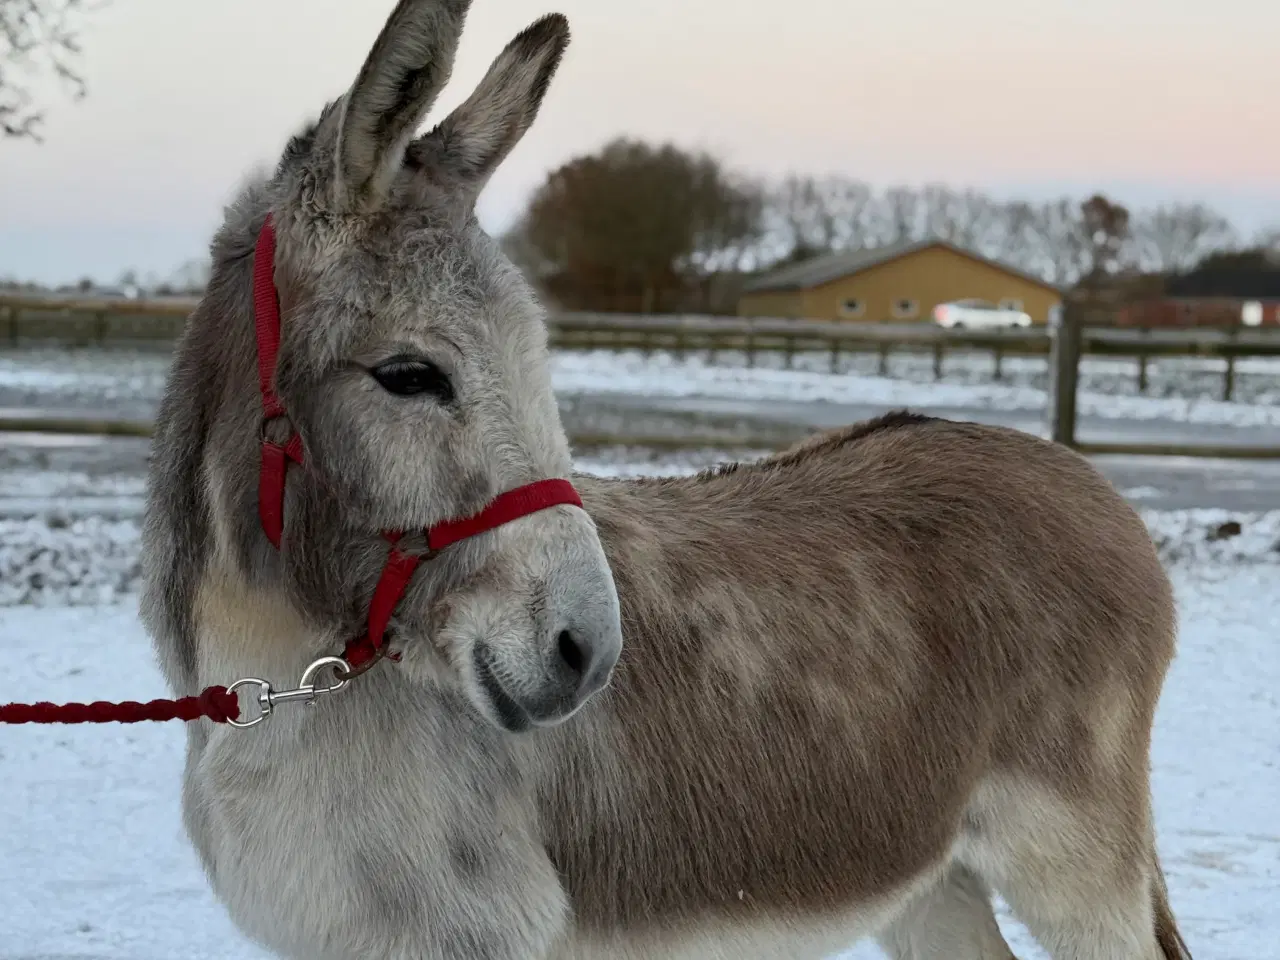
404	73
468	145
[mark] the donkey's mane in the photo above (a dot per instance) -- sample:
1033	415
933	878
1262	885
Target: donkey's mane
816	448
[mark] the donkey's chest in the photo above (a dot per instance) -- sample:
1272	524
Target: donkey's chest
365	848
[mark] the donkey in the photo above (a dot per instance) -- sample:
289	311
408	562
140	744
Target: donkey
866	683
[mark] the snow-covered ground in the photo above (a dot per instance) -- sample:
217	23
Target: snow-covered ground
93	862
1108	388
1180	389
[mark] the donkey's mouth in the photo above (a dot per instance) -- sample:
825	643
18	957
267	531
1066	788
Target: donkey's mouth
511	716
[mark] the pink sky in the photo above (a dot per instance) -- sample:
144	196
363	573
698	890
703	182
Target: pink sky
1153	99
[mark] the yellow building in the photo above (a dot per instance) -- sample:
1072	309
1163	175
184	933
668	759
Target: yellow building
899	282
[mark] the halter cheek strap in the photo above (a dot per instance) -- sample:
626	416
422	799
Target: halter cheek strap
275	456
399	567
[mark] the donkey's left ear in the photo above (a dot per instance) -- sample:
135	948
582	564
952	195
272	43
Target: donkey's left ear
464	149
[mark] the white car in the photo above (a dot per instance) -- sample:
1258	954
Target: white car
978	314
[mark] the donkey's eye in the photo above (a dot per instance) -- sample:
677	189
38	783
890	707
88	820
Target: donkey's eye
407	378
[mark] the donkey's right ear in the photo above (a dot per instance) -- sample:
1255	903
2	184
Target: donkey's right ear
405	71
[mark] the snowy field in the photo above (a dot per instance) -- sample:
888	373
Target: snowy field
94	865
1183	389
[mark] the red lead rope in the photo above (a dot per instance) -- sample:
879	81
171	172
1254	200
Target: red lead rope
220	704
216	703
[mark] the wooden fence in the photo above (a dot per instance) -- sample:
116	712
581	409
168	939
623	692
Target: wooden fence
1070	339
119	322
104	323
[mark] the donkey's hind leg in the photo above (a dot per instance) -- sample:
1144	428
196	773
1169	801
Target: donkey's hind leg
1077	871
951	920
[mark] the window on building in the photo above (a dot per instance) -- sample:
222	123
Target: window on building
1011	303
852	307
1251	313
905	309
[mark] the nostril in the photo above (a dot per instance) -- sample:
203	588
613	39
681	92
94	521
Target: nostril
571	652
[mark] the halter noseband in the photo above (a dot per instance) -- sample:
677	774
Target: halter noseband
399	566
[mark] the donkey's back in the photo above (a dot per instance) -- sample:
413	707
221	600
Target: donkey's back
866	682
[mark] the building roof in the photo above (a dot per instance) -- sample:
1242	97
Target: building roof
1227	283
835	266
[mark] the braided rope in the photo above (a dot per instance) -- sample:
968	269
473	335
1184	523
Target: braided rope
217	704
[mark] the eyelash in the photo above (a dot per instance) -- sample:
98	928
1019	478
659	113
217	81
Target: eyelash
409	377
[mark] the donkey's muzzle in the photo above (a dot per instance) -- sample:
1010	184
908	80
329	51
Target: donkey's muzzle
579	666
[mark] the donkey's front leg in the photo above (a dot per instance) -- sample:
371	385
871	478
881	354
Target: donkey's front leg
487	898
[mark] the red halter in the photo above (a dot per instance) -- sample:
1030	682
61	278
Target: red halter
399	566
220	704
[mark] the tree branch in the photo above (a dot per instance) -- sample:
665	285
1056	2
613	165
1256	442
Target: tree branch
36	36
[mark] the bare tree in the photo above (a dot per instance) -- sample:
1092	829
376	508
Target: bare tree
947	214
1176	237
1008	231
1269	239
898	216
1057	239
36	35
729	217
1064	241
971	219
1106	234
935	211
808	216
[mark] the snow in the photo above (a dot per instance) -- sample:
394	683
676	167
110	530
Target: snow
54	560
96	865
95	861
69	483
107	374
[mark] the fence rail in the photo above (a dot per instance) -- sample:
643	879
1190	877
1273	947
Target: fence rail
102	322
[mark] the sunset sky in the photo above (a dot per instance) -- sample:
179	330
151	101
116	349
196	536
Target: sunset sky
1149	100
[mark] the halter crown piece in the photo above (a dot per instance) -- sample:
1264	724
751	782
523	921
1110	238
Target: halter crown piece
399	566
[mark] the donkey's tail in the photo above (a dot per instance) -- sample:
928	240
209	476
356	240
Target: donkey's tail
1169	938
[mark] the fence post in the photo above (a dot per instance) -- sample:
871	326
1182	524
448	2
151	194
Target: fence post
835	356
1142	373
1065	336
1229	375
882	368
998	356
937	359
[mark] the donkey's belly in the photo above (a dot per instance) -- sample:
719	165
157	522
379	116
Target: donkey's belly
773	935
804	939
371	852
